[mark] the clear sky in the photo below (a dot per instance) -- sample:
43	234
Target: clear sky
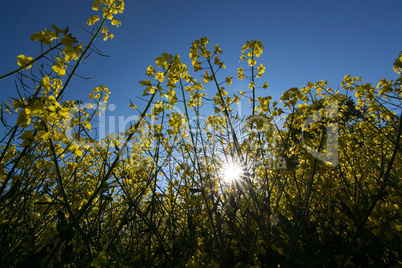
304	40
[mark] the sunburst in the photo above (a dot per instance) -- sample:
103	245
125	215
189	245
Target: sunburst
231	172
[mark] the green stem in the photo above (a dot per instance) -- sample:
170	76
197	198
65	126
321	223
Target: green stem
31	62
80	58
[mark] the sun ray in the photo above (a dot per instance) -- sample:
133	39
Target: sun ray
231	172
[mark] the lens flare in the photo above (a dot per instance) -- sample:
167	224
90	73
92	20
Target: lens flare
231	172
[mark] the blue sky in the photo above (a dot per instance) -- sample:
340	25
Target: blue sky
304	40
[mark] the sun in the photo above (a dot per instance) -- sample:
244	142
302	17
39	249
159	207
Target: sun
231	172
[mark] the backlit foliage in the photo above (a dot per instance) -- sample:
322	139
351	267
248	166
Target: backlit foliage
154	195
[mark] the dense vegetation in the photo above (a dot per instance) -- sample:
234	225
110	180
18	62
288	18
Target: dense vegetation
323	193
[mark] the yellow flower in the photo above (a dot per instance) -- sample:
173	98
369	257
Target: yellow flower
150	71
196	66
261	70
45	83
95	6
160	77
229	80
106	34
92	20
23	61
217	49
206	78
115	22
45	37
240	74
251	62
59	68
23	118
132	106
